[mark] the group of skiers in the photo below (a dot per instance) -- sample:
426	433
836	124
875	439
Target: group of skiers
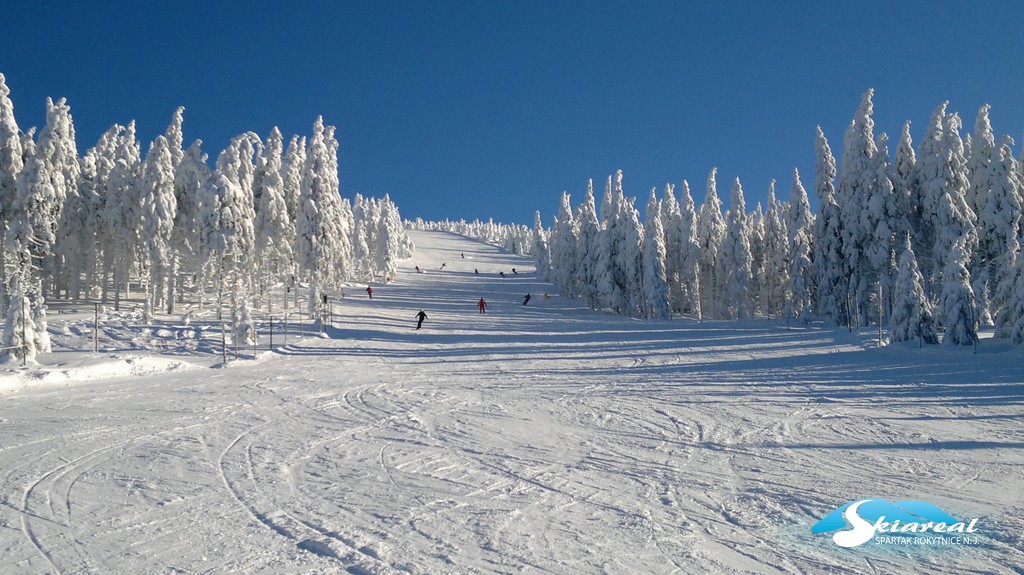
481	305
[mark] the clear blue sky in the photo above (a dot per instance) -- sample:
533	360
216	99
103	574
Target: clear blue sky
492	108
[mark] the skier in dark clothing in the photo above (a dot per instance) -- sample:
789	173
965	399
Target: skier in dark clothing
420	317
482	305
502	274
526	299
443	265
369	291
514	271
476	271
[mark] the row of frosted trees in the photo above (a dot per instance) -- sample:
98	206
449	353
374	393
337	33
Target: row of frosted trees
513	238
90	227
925	242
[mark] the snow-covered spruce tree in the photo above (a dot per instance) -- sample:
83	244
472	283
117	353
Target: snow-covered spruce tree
21	336
856	180
755	233
158	207
983	145
799	236
364	223
192	195
940	171
319	226
953	219
734	261
11	164
999	229
587	248
393	244
609	288
121	212
540	250
629	266
1011	322
227	223
274	230
564	239
244	325
829	267
912	316
884	221
689	273
655	285
32	229
672	222
291	172
956	303
710	232
777	263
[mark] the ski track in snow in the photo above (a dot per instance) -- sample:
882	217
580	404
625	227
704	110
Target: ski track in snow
534	439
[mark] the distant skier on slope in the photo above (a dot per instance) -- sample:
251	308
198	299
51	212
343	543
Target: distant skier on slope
369	291
482	305
526	299
420	317
502	274
443	265
514	271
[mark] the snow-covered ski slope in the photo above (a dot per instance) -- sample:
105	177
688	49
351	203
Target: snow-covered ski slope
534	439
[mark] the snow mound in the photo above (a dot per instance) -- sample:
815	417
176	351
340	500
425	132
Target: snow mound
90	369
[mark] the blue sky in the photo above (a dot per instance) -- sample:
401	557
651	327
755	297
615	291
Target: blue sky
493	108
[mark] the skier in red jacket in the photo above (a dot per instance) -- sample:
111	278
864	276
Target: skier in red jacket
482	305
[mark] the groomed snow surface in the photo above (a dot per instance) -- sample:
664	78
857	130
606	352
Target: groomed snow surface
534	439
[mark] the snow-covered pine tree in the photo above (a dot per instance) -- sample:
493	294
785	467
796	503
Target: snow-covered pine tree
57	149
11	164
244	325
609	246
627	265
755	233
393	245
710	232
829	267
227	222
777	263
800	232
883	220
956	303
999	230
120	214
912	316
564	239
672	222
21	336
735	259
540	250
319	228
587	248
689	271
983	145
856	180
158	208
953	218
274	229
655	285
926	183
192	198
